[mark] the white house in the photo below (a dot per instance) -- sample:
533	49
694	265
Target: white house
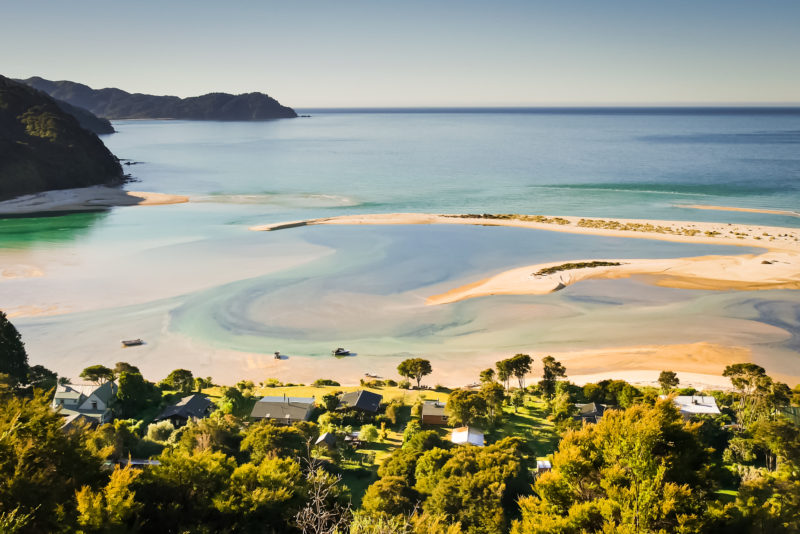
690	405
88	400
467	434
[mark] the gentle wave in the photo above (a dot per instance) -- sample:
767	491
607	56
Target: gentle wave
300	200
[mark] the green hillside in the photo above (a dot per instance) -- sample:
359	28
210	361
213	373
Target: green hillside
43	148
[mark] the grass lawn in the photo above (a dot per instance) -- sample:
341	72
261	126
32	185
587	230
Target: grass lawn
530	422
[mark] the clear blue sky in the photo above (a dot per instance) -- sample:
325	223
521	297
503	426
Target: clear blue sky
319	53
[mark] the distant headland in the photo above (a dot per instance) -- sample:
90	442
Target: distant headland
112	103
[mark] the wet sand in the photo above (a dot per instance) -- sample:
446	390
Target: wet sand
85	199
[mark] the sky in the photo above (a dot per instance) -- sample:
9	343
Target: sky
412	53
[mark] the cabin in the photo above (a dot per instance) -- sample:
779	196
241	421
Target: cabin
690	405
361	400
467	435
591	412
92	401
283	410
327	440
543	466
193	407
433	413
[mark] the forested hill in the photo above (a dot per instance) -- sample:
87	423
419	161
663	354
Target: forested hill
117	104
42	147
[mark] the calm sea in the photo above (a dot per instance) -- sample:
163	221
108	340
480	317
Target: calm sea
209	295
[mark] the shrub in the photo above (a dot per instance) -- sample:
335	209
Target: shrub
271	383
160	432
368	433
404	384
391	383
320	382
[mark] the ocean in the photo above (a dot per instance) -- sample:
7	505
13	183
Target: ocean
209	295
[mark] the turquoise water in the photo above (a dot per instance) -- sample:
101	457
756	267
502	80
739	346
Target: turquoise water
208	294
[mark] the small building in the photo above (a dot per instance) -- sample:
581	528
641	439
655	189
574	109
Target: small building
283	410
690	405
89	400
192	407
361	400
433	413
543	466
327	440
591	412
467	435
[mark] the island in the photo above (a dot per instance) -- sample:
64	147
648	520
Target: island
112	103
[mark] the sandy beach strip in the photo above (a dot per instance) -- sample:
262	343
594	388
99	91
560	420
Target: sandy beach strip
777	268
85	199
732	208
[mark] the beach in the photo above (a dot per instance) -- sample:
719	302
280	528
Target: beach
85	199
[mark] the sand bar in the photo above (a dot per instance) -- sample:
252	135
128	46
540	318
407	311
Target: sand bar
777	268
85	199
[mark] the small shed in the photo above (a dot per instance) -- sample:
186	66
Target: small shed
690	405
433	413
542	466
466	435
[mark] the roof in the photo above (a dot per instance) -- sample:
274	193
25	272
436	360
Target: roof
288	408
74	419
192	406
96	416
591	409
433	407
543	464
327	438
293	400
467	434
361	399
105	392
695	404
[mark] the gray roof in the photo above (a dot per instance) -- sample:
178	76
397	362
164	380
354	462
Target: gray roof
104	392
433	407
293	400
361	399
282	409
192	406
327	438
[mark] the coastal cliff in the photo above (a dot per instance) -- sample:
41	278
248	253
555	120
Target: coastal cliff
114	103
42	147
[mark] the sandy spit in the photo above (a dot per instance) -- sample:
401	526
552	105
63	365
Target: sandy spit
85	199
731	208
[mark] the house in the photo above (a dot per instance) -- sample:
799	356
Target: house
792	413
361	400
467	435
89	400
191	407
283	410
690	405
326	439
433	413
591	412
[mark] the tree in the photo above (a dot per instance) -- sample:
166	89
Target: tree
520	366
135	394
99	374
265	439
638	470
415	368
330	401
41	465
504	372
552	370
668	380
758	394
487	375
180	380
494	394
40	377
412	429
518	399
13	358
202	383
231	401
466	407
111	509
389	495
125	367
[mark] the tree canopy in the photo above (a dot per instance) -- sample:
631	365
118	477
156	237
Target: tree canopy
415	368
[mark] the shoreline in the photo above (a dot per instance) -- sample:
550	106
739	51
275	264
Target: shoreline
786	213
94	198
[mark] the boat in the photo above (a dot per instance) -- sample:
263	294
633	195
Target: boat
132	342
340	352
